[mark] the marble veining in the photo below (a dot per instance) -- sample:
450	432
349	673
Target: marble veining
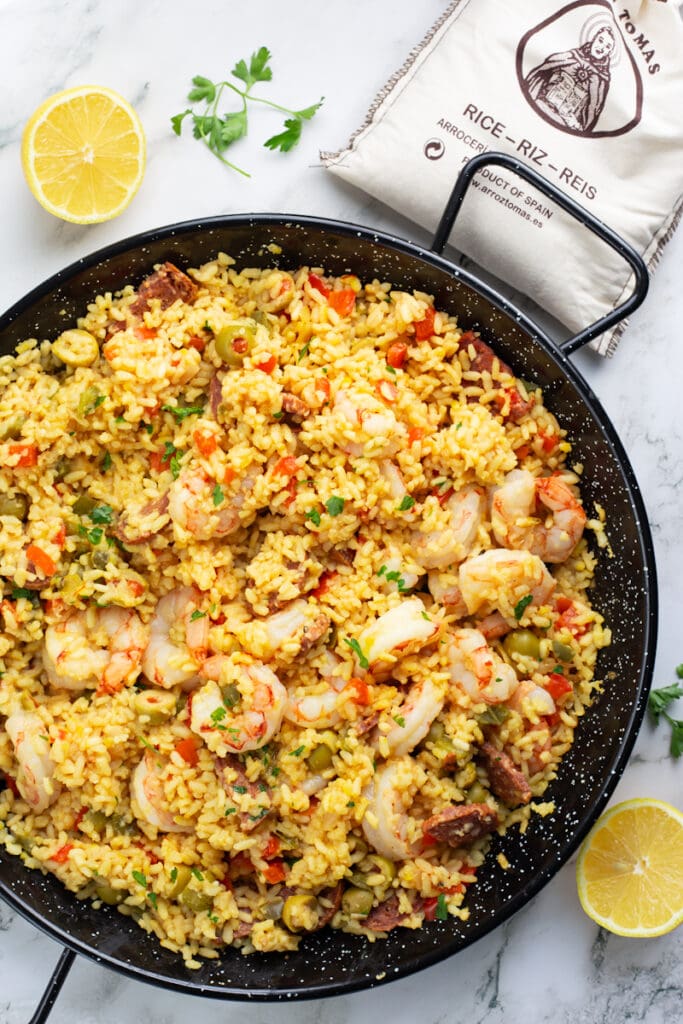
549	963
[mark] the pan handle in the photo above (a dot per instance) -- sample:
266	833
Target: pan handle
53	988
570	206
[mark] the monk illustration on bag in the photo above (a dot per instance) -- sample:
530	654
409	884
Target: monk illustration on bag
571	87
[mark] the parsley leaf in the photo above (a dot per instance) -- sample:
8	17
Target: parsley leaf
406	503
219	132
197	874
521	605
174	874
314	516
182	411
218	495
106	462
355	647
298	752
28	595
140	878
335	505
102	514
676	748
441	912
196	614
400	721
659	700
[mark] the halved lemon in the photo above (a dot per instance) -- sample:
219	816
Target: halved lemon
83	154
630	869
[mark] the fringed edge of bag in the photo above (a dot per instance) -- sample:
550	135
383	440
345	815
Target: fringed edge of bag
389	86
651	262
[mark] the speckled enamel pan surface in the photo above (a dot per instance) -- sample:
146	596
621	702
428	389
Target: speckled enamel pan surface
330	963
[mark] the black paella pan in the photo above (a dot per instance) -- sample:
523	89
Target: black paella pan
331	963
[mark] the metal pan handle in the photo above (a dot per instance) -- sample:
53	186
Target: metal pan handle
53	987
577	211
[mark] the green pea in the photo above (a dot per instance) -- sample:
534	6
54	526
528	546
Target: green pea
16	505
523	642
234	341
195	901
320	758
357	902
562	652
83	505
182	877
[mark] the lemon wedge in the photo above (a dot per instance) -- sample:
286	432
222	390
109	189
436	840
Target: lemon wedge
630	869
83	154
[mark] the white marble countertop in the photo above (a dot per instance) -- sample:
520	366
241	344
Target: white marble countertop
550	962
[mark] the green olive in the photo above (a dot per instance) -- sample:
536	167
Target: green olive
14	505
181	880
272	911
231	695
156	705
320	758
11	430
121	826
234	341
384	866
83	505
97	820
196	901
562	652
523	642
76	348
495	714
301	913
357	902
61	468
107	893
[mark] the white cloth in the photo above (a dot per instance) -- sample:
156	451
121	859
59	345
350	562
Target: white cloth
588	93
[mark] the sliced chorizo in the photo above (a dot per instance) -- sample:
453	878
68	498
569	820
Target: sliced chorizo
505	778
167	284
461	824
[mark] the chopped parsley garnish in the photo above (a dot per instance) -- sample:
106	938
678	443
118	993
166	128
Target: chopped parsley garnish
395	577
174	874
27	595
441	912
218	715
196	614
521	605
407	503
102	514
206	326
240	789
278	415
425	616
335	505
218	495
390	369
152	897
197	874
89	400
355	647
400	720
140	878
382	569
350	803
181	412
148	428
94	536
298	752
303	352
106	462
314	516
172	456
229	810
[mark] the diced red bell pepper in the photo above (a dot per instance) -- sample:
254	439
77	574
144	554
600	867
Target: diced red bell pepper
415	434
548	441
61	855
319	285
205	443
275	872
79	817
361	691
429	908
145	333
557	686
60	537
159	461
396	354
272	848
268	365
28	454
196	342
324	583
323	386
424	328
41	560
286	466
187	749
343	301
291	495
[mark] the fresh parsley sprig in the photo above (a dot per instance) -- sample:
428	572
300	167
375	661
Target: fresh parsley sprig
658	702
218	132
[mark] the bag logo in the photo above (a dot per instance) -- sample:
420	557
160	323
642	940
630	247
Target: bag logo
592	90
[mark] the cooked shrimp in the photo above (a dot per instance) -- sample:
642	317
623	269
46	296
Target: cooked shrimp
35	777
401	630
478	670
289	632
97	648
192	509
366	425
389	795
178	642
500	579
445	589
148	799
532	701
319	709
422	704
395	576
250	721
515	508
435	549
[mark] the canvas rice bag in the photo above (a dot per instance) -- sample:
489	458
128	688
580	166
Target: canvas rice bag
589	93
